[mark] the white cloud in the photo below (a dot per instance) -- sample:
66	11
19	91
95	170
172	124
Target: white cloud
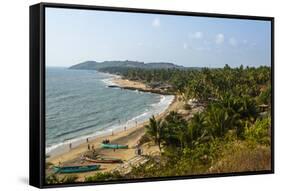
232	41
185	46
196	35
156	22
219	38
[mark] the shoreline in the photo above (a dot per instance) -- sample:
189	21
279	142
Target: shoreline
136	85
129	136
113	80
158	108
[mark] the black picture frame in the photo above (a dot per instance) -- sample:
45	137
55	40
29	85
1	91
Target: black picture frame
37	91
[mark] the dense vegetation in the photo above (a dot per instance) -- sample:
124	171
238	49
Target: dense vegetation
205	83
232	134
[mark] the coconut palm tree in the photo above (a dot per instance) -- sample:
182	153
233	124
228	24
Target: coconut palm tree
175	130
155	129
197	129
218	121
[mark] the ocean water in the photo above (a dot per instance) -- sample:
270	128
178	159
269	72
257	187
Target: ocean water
79	105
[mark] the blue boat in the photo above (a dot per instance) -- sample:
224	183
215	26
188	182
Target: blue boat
113	146
75	169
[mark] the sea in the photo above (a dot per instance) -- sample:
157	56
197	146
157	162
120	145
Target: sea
80	106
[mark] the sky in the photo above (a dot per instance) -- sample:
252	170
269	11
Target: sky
75	35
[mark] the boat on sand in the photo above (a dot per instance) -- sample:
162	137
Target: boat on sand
75	169
113	146
103	160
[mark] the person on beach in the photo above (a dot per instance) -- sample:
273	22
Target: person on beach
70	146
87	140
125	128
82	158
138	151
89	147
93	148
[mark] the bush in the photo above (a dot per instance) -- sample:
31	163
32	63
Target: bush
52	179
55	179
243	156
259	132
103	176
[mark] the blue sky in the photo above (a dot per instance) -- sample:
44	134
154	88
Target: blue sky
74	36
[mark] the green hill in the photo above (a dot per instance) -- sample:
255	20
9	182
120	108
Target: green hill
93	65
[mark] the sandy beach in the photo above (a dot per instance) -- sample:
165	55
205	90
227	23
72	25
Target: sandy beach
128	137
130	84
135	85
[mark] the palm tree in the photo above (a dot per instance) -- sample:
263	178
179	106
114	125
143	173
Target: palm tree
175	130
218	121
197	129
155	129
248	109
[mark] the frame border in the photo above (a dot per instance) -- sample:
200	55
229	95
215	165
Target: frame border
37	92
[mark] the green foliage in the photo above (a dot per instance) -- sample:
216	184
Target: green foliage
242	156
197	130
55	179
155	130
219	121
69	179
259	132
175	130
265	96
103	176
205	83
52	179
199	145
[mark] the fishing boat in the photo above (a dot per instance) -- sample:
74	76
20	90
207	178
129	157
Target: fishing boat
75	169
103	160
113	146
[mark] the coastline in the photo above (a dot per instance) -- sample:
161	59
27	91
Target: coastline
118	81
112	80
128	136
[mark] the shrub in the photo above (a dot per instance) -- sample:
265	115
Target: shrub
69	179
52	179
55	179
241	157
103	176
259	132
